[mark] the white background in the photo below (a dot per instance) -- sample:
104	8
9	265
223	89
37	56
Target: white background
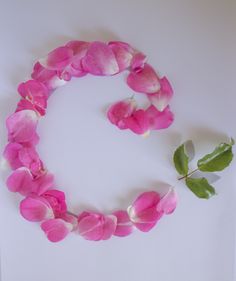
98	166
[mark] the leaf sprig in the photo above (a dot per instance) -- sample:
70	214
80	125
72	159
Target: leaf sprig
216	161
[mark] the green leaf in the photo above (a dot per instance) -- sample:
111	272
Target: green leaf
200	187
181	160
218	160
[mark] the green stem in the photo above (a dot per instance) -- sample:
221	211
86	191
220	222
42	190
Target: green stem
189	174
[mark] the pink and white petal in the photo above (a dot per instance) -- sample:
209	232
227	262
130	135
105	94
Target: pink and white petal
168	202
144	81
44	75
11	154
100	60
124	226
141	206
36	208
72	219
56	199
145	226
29	158
79	49
162	98
137	122
22	126
123	53
109	226
57	59
43	183
20	180
25	104
159	119
90	226
138	62
56	229
120	110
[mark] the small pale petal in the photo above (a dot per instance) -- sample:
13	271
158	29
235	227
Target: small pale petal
124	226
168	202
22	126
100	60
159	119
35	208
56	229
144	81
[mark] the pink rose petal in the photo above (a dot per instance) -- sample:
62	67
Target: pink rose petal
168	202
46	76
36	92
159	119
56	199
143	212
36	208
138	62
72	219
11	154
96	226
120	110
20	180
123	53
124	226
22	126
25	104
137	122
58	59
144	81
109	226
100	60
43	183
162	98
56	229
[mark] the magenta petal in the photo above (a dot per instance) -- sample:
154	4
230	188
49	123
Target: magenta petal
56	199
58	59
168	202
124	226
109	226
36	208
26	104
29	158
21	181
36	92
11	154
123	53
120	110
138	62
44	75
144	80
162	98
159	119
90	226
56	229
43	183
137	122
100	60
143	212
22	126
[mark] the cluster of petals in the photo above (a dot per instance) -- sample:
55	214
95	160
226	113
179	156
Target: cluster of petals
43	202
